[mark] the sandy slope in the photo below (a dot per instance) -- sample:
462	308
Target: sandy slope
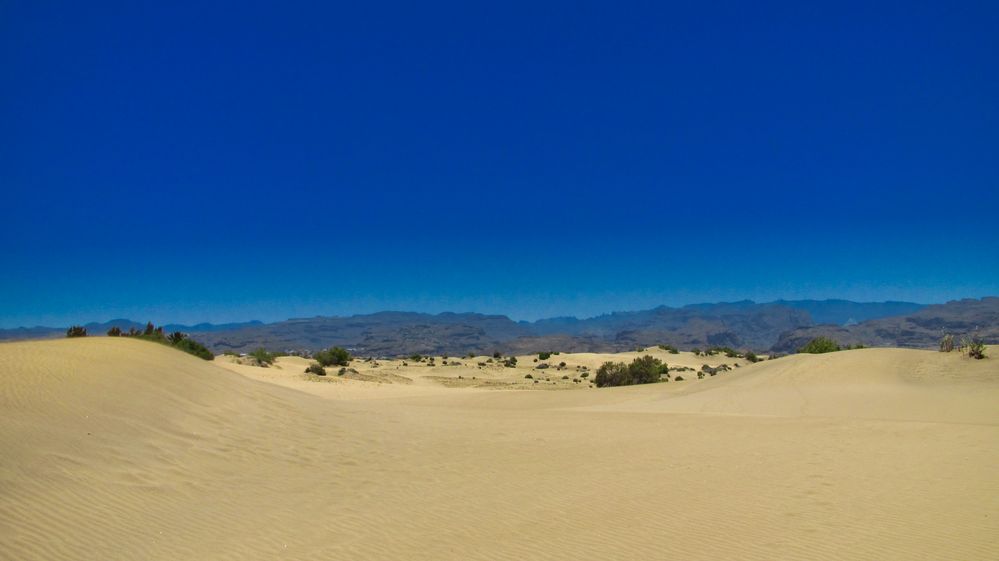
123	449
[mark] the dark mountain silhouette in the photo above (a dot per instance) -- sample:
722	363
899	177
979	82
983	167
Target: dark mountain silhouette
922	329
783	326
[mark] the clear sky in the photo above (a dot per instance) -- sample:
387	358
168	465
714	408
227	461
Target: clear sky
216	162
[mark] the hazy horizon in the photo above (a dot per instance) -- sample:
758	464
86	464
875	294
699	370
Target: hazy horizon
277	318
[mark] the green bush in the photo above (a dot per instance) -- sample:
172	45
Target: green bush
510	362
544	356
643	370
338	356
820	345
262	357
528	377
76	331
316	368
115	331
751	356
190	346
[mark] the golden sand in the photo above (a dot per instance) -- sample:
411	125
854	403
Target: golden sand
123	449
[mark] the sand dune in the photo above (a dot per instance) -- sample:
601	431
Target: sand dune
123	449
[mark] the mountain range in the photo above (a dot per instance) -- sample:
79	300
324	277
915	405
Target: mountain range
780	326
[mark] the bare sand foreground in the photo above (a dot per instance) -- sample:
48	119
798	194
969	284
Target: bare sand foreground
122	449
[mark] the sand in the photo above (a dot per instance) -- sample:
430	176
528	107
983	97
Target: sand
124	449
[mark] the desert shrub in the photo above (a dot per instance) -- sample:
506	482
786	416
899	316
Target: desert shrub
416	357
76	331
316	368
643	370
647	369
947	343
176	337
751	356
566	377
510	362
669	348
528	377
820	345
561	365
342	371
192	347
262	357
975	347
115	331
584	375
334	356
679	378
544	356
497	355
697	352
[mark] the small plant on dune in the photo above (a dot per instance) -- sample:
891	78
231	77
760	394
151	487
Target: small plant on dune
176	337
190	346
510	362
262	357
544	355
820	345
528	377
974	347
497	355
679	378
334	356
76	331
947	343
751	357
115	331
316	368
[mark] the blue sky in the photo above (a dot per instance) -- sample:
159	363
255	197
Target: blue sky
217	162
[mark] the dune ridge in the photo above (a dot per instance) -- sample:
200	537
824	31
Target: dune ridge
124	449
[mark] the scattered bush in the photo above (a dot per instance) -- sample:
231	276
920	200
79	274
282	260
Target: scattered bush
584	375
176	337
192	347
528	377
679	378
561	365
751	356
497	355
975	348
76	331
820	345
316	368
334	356
643	370
544	356
262	357
510	362
947	343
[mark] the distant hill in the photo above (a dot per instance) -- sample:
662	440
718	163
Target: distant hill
845	312
921	329
782	326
